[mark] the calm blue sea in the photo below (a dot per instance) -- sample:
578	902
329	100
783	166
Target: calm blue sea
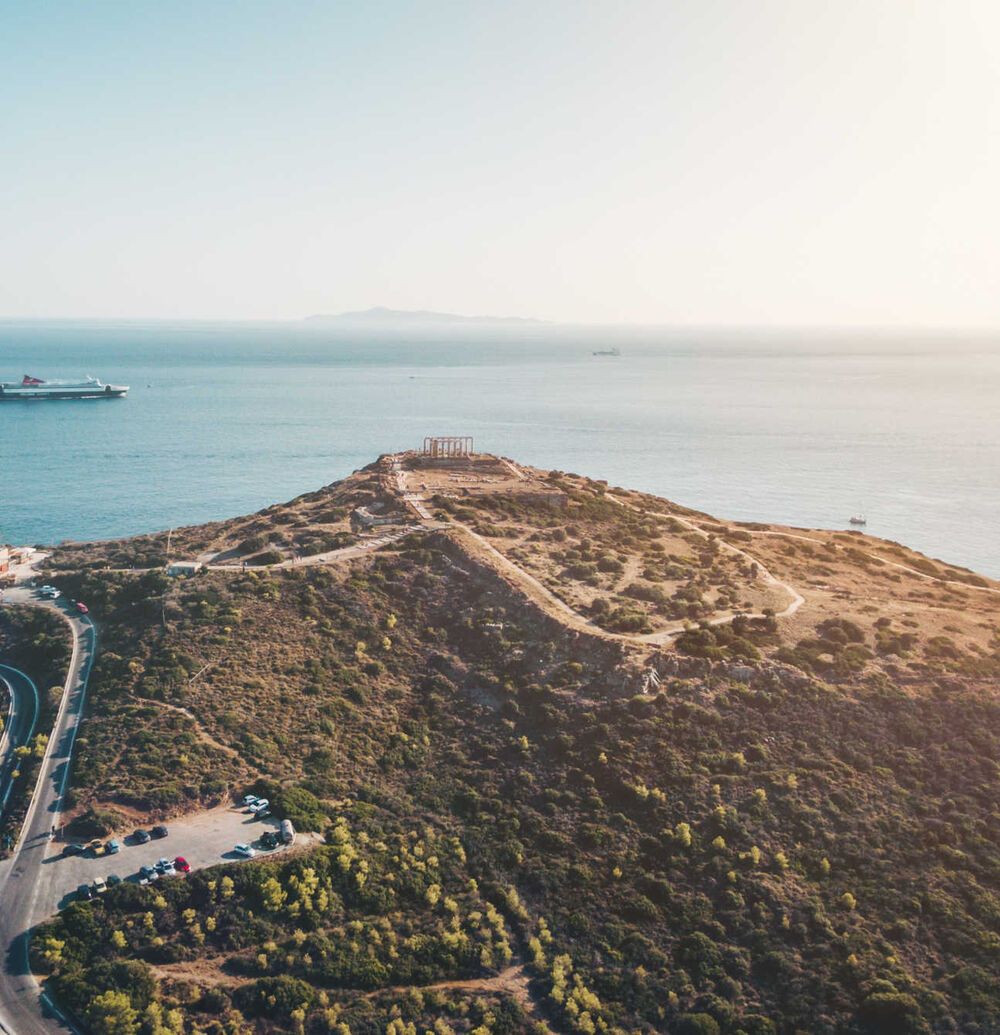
804	428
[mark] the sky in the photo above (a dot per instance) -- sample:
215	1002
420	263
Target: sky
701	162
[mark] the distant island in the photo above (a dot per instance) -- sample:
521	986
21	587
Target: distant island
423	317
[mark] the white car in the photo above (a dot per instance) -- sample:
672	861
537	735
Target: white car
165	867
250	799
260	805
247	851
49	592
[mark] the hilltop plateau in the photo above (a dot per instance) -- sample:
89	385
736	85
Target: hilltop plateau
583	760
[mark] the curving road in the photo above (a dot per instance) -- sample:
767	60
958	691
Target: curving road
21	722
25	877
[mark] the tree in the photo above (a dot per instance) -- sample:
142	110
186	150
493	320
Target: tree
112	1013
696	1024
892	1013
272	894
52	950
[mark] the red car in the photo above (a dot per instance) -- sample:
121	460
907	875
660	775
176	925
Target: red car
82	607
181	865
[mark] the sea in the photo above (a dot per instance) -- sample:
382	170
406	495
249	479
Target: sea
801	427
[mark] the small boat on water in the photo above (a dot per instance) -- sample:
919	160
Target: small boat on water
607	352
859	519
35	388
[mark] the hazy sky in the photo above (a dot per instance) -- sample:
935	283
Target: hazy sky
719	161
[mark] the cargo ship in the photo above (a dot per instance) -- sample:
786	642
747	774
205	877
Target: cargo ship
35	388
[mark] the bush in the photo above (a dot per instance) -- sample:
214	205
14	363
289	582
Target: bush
892	1013
276	996
267	557
302	807
696	1024
93	823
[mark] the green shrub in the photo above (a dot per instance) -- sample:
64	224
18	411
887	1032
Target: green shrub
696	1024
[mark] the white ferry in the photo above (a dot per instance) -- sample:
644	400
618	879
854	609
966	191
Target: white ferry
35	388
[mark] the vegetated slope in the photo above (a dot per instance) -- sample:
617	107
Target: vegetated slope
290	673
796	832
37	642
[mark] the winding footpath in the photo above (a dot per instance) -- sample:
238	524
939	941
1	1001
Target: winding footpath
536	590
796	599
25	877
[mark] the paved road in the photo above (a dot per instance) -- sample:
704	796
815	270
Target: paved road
21	722
25	880
38	880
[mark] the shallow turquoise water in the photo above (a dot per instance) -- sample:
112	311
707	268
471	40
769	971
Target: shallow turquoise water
802	428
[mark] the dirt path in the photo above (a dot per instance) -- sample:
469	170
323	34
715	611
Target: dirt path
796	598
342	553
513	981
883	560
533	588
205	971
203	735
558	608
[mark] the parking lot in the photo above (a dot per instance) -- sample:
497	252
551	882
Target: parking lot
203	839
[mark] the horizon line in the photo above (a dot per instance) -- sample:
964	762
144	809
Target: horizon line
514	323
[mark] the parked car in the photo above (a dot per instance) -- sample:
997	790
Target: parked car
82	608
181	865
245	850
113	847
269	839
100	886
74	849
159	831
147	874
249	799
49	592
96	847
84	892
259	806
287	832
165	867
142	837
114	880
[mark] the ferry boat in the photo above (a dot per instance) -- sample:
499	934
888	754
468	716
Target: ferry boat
859	519
35	388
